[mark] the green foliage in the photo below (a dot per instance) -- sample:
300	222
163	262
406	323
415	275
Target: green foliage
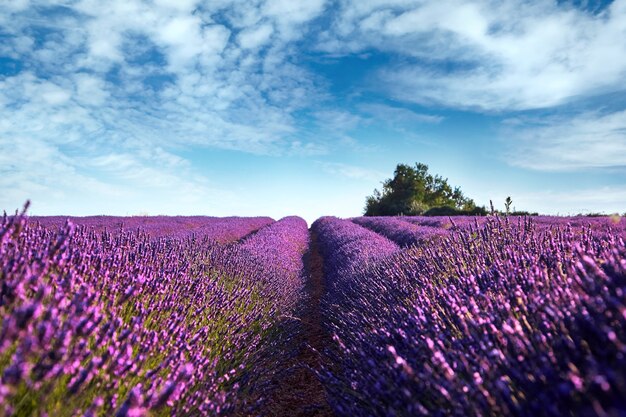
413	191
452	211
507	205
523	213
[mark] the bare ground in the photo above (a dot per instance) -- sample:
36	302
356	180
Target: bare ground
298	392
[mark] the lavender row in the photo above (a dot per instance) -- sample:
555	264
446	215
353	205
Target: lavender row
277	244
126	325
347	247
505	319
277	251
220	229
615	224
401	232
443	222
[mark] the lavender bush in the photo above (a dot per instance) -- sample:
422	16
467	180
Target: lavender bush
502	319
447	317
401	232
220	229
128	325
616	224
347	247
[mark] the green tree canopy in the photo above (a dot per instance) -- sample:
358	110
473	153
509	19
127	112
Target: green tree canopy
413	191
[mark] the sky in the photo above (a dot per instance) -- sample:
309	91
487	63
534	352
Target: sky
281	107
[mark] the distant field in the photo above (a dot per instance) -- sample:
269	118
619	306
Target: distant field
220	229
370	316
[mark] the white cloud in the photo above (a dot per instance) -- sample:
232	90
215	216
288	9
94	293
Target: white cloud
113	183
255	37
351	171
34	168
186	38
109	80
574	200
577	142
506	55
398	115
112	94
181	30
185	6
337	120
90	90
294	12
15	5
53	94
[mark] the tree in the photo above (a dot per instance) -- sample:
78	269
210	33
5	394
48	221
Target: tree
413	191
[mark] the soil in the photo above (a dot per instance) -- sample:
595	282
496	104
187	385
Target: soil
299	393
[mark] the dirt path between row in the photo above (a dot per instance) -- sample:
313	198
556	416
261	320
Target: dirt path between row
299	393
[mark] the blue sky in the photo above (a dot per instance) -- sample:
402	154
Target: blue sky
278	107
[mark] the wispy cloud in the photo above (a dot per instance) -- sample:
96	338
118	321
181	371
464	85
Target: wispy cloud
110	98
337	120
351	171
101	83
605	199
484	54
210	83
398	115
582	141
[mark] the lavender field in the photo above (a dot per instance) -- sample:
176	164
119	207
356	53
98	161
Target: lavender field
315	208
369	316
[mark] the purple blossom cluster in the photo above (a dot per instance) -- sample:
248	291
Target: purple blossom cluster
444	222
220	229
604	224
348	248
277	250
401	232
128	325
444	316
506	318
614	224
269	244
